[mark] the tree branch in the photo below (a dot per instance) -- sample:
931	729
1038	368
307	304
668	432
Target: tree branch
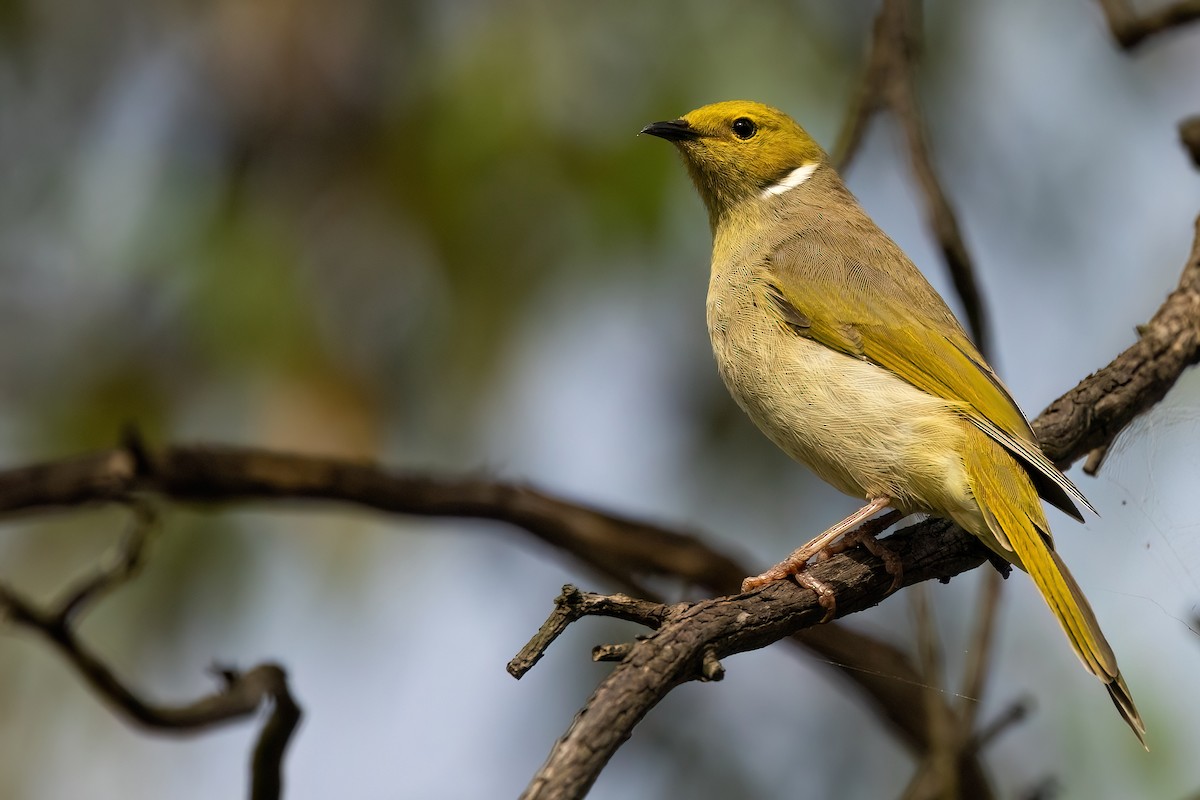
622	549
241	695
675	652
573	605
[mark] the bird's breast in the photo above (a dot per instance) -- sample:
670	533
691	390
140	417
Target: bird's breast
857	425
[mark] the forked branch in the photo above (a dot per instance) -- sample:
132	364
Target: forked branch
242	694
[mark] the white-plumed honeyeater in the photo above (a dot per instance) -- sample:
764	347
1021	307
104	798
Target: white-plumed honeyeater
841	352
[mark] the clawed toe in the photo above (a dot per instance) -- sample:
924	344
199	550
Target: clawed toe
797	570
891	560
825	594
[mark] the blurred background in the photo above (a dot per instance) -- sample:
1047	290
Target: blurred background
426	233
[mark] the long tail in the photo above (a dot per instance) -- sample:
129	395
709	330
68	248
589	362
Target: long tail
1017	530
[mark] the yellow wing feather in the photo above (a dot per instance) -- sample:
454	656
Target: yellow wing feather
876	305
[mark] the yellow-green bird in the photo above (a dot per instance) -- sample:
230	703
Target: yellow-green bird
836	346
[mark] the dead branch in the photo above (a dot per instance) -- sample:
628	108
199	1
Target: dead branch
621	549
573	605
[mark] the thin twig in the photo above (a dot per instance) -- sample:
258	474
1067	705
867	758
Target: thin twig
936	774
572	605
1130	28
241	695
1010	716
127	560
1189	135
1095	460
611	652
980	649
868	97
889	82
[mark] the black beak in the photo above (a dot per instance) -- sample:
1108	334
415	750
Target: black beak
674	131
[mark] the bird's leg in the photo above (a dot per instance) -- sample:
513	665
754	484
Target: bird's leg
796	562
865	536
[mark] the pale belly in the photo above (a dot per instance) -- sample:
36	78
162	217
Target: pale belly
858	426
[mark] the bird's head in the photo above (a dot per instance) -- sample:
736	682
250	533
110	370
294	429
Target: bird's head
739	150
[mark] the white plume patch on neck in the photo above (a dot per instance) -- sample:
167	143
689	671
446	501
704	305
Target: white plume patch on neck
794	178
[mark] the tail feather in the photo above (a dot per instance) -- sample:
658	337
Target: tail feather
1017	530
1123	700
1105	662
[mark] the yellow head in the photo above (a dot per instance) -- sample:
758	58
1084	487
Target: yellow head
738	149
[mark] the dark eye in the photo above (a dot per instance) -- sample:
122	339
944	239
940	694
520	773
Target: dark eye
744	127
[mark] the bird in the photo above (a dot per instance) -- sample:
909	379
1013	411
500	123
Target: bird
839	350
